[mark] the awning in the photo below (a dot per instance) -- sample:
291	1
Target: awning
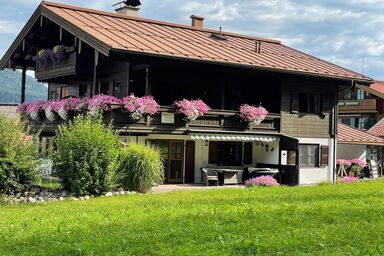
234	137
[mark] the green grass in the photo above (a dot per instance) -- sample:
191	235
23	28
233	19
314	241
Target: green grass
322	220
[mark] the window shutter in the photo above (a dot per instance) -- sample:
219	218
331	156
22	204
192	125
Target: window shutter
213	153
248	153
294	102
324	156
326	100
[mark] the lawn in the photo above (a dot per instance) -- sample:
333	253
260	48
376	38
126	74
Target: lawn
323	220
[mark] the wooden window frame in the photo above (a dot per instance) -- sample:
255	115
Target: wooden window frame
317	156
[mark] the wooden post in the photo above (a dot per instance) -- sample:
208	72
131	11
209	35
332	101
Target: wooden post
222	95
147	89
95	82
23	81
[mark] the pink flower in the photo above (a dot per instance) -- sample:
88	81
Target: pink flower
344	162
191	109
349	179
22	109
36	106
101	102
359	162
138	107
262	181
252	114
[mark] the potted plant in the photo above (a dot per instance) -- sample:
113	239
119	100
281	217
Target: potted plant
251	114
356	166
51	108
138	107
100	103
191	109
34	110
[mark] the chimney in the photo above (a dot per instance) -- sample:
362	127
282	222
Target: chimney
129	8
197	21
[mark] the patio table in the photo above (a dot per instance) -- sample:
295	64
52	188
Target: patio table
230	176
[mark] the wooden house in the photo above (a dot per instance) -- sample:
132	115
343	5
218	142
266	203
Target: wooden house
122	53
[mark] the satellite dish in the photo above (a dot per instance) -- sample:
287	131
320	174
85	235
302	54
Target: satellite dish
133	3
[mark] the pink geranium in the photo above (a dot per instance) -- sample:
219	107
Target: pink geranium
22	109
360	163
343	162
191	109
262	181
101	102
251	114
33	109
140	106
349	179
51	108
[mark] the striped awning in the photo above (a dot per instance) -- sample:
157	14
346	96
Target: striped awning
233	137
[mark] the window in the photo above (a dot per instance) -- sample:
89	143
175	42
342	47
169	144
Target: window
226	153
309	155
309	103
360	94
372	152
348	94
64	92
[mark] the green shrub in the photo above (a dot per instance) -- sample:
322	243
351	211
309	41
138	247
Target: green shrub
355	169
18	153
140	168
85	160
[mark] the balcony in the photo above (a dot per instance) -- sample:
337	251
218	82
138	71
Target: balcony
357	106
167	122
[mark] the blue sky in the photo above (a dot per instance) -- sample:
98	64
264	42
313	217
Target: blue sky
342	31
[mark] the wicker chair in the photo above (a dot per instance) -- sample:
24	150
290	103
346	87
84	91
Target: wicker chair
209	175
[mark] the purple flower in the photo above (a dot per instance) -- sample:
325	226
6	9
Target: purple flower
22	109
262	181
349	179
191	109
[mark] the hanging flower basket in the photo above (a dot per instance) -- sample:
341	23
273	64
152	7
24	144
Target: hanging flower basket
251	114
191	109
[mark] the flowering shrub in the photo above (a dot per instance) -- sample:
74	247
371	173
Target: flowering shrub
100	103
349	179
33	109
345	163
191	109
251	114
138	107
262	181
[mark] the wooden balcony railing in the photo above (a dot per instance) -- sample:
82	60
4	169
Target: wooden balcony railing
167	121
357	106
64	67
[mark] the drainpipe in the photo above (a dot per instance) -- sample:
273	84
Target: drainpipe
334	113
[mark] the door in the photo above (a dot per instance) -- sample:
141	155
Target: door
175	170
190	162
173	159
290	169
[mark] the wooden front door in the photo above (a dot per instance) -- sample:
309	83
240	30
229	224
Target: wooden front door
175	168
172	153
190	162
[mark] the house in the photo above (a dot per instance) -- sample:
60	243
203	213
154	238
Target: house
362	106
353	143
122	53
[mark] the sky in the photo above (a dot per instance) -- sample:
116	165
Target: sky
345	32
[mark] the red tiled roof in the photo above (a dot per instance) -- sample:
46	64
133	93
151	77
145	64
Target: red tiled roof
377	129
378	86
350	135
145	36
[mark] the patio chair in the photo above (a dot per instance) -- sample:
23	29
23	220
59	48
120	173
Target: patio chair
209	175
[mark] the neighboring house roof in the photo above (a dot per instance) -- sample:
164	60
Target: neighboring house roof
374	89
378	86
107	31
377	129
350	135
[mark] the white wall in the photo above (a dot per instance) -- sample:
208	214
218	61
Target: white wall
317	174
349	151
260	155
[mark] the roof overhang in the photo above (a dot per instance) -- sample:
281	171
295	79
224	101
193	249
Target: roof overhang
40	12
233	137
